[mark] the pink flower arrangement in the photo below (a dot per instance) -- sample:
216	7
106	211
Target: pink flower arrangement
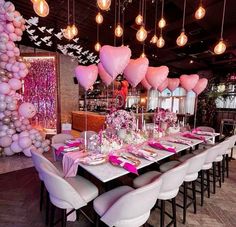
121	119
165	116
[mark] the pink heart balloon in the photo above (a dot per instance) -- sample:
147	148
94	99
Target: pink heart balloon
173	83
114	59
146	84
201	86
163	86
105	77
156	75
136	70
188	82
86	75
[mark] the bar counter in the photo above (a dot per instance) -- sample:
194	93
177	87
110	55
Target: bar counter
96	120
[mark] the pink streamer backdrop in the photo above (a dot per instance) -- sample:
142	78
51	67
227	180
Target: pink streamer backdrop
40	90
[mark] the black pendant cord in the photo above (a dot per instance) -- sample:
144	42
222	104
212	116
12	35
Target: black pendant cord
115	23
68	12
162	8
155	27
123	25
184	15
73	11
223	20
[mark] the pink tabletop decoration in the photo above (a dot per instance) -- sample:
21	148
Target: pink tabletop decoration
173	83
114	59
86	75
105	77
156	75
160	146
163	86
192	136
188	82
201	86
70	145
136	70
146	84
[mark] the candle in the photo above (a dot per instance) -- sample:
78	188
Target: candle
137	124
142	119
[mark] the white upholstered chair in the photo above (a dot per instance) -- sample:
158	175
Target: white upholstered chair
127	207
171	181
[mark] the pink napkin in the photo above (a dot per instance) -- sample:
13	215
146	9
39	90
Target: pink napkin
113	159
143	154
70	163
180	141
71	145
160	146
192	136
200	132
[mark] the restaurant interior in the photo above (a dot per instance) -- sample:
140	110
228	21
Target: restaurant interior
118	113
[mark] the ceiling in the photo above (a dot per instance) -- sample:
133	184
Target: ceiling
202	34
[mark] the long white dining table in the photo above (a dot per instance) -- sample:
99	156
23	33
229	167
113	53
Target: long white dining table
107	172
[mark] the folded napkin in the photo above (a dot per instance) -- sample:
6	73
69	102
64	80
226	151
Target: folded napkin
92	159
68	147
200	132
117	160
180	141
161	146
142	153
193	136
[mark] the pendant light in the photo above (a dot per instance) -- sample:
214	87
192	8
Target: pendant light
182	39
200	12
162	21
67	33
139	18
104	4
221	46
74	29
143	55
141	34
99	18
118	29
155	38
41	8
160	41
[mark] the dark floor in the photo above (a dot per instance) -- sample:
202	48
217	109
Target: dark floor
19	203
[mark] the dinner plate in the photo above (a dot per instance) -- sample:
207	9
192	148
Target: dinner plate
93	160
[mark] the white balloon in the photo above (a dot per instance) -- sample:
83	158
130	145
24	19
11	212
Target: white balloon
15	147
8	151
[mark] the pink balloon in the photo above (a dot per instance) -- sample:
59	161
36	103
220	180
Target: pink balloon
24	142
17	23
156	75
10	27
86	75
4	88
136	70
15	147
105	77
10	54
188	82
18	32
15	69
4	57
114	59
146	84
173	83
10	45
27	110
201	86
15	84
163	86
5	141
13	37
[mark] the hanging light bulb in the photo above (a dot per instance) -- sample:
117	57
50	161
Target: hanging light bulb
162	23
160	42
97	46
34	1
143	55
139	19
118	31
141	34
67	33
182	39
154	39
104	4
220	47
74	30
99	18
200	13
41	8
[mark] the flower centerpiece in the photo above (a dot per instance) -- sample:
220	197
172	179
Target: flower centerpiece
134	137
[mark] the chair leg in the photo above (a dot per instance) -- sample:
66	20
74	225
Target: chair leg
47	208
208	183
52	214
174	211
97	220
162	213
227	165
63	217
202	187
223	169
214	177
194	197
219	173
185	201
41	195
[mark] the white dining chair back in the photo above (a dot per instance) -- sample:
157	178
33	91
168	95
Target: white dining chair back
195	164
212	153
61	138
223	147
134	206
39	160
206	129
232	141
171	181
61	193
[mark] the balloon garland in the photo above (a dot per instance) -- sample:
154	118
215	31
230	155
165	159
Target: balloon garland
16	133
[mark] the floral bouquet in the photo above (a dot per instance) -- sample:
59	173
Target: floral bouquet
134	137
121	119
165	116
